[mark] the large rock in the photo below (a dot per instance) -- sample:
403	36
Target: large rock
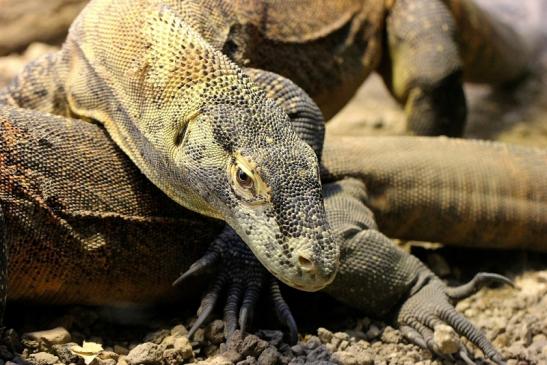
55	336
146	353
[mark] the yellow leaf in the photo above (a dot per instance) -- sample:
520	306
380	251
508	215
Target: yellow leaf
88	350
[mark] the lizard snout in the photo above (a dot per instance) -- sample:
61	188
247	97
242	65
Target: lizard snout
312	275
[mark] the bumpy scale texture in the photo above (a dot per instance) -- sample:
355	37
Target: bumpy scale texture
329	47
82	224
483	194
150	71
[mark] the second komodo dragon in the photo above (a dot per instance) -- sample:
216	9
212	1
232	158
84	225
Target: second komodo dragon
422	49
82	225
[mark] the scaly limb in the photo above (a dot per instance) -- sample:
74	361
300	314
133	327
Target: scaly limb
379	278
430	304
242	276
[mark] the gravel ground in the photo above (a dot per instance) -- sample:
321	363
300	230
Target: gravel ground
513	318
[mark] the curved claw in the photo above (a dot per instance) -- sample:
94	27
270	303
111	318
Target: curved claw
466	328
246	313
480	280
413	336
208	260
283	311
464	355
430	306
242	272
231	309
207	304
426	334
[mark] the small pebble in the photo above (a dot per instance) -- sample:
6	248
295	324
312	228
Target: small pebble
324	335
43	358
446	339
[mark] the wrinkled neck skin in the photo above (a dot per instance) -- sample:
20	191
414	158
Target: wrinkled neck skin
201	131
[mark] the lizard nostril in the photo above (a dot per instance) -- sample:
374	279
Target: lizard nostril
305	263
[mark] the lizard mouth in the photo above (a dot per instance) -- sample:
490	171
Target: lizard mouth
305	273
311	288
309	282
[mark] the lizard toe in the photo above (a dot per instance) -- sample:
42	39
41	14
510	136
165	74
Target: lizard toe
423	336
430	307
467	329
209	260
464	355
241	275
208	304
250	298
283	311
233	300
413	336
480	280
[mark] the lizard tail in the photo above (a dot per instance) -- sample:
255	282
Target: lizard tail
459	192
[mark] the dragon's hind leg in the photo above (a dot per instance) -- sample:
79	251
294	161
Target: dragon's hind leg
422	67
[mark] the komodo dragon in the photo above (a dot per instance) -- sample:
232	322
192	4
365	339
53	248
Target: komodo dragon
90	80
158	75
83	225
197	125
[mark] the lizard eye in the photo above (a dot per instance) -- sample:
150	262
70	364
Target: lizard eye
244	180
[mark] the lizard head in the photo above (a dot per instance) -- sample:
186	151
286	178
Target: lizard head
199	129
248	167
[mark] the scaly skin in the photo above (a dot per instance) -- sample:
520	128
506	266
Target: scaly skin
176	65
460	192
489	47
195	124
100	233
105	233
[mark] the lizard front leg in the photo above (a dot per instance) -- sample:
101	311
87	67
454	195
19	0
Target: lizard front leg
242	278
380	279
422	67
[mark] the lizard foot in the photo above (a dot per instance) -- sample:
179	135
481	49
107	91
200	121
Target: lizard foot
430	306
243	278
